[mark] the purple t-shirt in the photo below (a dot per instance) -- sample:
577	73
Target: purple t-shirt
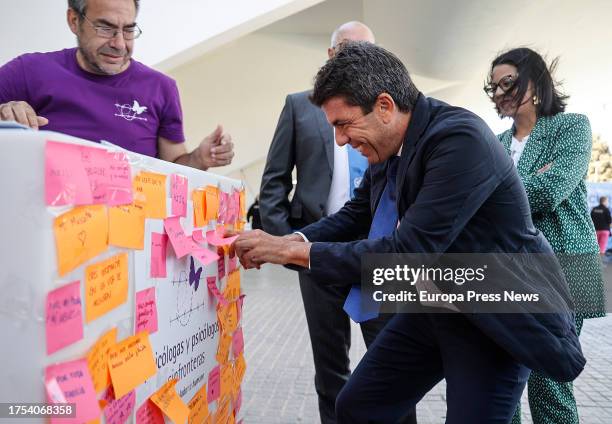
130	109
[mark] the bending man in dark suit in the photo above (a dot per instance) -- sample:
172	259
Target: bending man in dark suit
327	174
453	189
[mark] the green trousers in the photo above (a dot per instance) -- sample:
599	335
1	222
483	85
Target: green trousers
550	402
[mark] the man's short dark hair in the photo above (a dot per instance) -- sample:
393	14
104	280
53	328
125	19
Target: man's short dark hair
80	6
359	72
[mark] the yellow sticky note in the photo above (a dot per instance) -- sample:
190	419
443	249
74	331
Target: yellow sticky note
228	317
227	380
212	202
232	290
130	363
170	403
97	359
199	208
198	407
153	187
239	369
225	341
80	234
126	226
106	286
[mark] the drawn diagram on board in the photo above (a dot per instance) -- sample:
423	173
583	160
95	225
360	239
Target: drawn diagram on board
187	296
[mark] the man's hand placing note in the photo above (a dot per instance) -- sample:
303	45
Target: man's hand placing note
254	248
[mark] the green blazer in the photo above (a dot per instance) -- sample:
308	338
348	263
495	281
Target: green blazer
558	201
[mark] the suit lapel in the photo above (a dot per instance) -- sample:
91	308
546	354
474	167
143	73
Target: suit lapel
327	135
533	148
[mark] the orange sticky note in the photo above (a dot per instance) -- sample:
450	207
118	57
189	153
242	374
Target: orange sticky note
223	411
126	226
130	363
153	186
225	341
106	286
228	317
212	202
232	290
80	234
199	208
171	403
97	359
239	369
198	407
227	380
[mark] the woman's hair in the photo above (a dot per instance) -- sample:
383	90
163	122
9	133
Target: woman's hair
532	67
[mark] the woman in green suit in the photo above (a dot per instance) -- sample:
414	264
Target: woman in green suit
551	150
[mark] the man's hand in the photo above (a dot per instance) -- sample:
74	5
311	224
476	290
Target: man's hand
255	248
22	113
216	149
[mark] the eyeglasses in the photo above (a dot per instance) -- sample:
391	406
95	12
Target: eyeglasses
506	84
129	33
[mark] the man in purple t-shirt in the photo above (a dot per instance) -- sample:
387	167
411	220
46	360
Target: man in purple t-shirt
98	92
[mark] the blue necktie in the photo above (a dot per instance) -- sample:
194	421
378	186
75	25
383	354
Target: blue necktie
383	224
357	166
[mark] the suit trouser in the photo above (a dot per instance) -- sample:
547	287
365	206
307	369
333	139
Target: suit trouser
413	353
550	401
330	336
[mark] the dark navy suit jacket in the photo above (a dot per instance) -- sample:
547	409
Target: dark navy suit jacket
458	192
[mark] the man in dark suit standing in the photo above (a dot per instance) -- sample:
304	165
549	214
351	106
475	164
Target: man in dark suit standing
327	175
439	181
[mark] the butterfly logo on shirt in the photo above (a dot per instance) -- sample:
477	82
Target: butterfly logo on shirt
129	113
194	276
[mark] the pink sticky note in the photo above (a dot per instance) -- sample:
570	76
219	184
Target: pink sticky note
221	267
238	402
237	342
178	185
240	303
223	207
146	311
149	413
232	264
198	236
204	256
75	382
216	240
159	242
233	209
211	282
66	182
54	392
120	179
181	244
214	384
64	316
118	411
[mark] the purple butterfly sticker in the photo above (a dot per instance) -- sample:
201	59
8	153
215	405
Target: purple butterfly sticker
194	277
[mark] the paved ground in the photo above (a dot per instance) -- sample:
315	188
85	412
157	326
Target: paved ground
279	388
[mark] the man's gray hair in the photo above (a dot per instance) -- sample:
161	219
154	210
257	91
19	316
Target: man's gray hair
80	6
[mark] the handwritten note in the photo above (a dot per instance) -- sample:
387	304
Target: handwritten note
181	244
222	414
118	411
216	240
66	182
221	263
153	187
228	317
198	407
239	369
204	256
63	317
227	380
198	236
237	342
212	202
75	383
149	413
109	175
97	359
170	403
146	311
178	190
214	384
199	208
130	363
126	226
106	286
223	207
233	207
232	290
159	243
80	234
211	282
225	342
